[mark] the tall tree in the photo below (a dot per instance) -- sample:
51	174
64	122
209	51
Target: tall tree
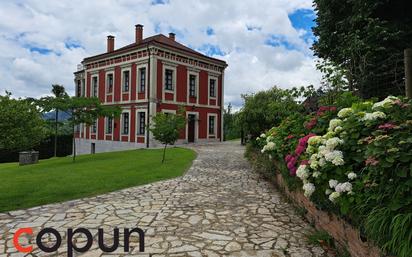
21	124
366	38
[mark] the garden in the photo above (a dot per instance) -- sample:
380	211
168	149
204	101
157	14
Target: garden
352	158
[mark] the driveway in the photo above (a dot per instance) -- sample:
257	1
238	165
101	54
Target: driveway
220	207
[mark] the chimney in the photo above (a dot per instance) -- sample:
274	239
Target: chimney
172	36
110	43
139	33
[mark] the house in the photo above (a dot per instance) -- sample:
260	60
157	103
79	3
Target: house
151	75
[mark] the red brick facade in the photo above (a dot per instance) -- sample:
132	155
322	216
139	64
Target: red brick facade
156	74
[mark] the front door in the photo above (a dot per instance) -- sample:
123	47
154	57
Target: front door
191	128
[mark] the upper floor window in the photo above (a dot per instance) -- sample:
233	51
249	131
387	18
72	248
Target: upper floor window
211	125
126	80
79	88
192	85
94	86
169	79
141	123
109	125
110	83
212	89
142	78
125	120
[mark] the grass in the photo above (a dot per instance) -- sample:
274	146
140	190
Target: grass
59	179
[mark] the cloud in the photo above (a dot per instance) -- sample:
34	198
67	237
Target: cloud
264	44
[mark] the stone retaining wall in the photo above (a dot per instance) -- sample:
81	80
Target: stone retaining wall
343	233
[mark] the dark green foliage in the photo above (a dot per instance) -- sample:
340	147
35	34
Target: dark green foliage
232	126
21	124
366	39
166	128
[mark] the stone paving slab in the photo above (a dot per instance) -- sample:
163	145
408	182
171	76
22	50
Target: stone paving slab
220	207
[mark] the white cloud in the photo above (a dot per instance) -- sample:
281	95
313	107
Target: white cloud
253	65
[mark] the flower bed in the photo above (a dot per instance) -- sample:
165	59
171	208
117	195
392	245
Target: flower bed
354	162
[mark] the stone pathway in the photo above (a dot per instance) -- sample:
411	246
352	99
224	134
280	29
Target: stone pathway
220	207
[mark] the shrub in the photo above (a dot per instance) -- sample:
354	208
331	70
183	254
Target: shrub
356	162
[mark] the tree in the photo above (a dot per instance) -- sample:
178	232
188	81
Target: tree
166	128
365	39
265	109
57	102
86	111
82	110
21	124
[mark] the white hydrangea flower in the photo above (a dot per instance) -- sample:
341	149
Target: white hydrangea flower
328	191
373	116
352	175
316	174
333	123
335	157
345	112
343	187
308	189
302	172
385	103
322	162
333	183
314	140
268	139
333	196
268	147
338	129
333	142
263	135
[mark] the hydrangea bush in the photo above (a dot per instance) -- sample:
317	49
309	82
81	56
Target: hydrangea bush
356	162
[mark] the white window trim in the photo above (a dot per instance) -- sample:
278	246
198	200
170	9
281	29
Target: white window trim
123	79
121	124
169	111
105	127
215	128
208	88
138	67
91	85
196	85
138	122
196	126
107	83
172	67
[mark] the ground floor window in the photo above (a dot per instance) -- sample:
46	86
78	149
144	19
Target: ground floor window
109	125
125	123
94	127
212	125
141	119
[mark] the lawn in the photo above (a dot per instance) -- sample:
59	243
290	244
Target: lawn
59	179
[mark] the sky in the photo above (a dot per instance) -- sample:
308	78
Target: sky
264	42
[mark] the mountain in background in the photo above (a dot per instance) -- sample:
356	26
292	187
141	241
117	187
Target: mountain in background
63	116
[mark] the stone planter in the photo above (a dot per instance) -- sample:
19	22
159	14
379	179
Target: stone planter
28	157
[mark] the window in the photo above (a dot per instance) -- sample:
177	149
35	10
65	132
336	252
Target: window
192	85
126	80
94	127
77	128
212	88
110	83
142	77
125	128
79	88
109	125
169	79
94	86
211	125
141	118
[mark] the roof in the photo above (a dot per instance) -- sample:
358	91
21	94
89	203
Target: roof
159	39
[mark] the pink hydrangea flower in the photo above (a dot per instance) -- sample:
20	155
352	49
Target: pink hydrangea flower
387	126
371	161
